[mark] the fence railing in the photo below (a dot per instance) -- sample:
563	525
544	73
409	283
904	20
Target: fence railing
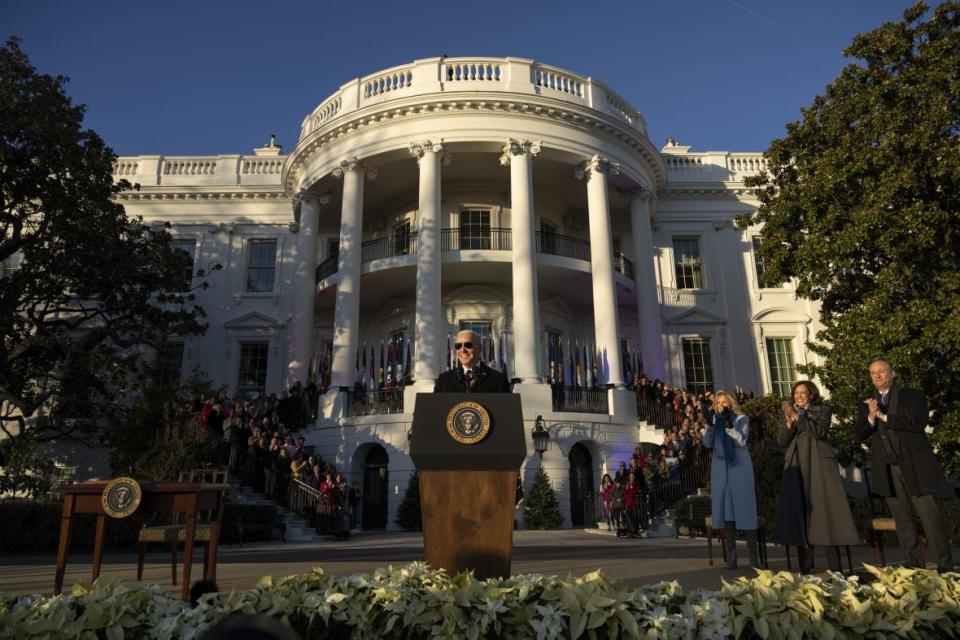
374	403
623	265
402	244
467	239
577	400
327	268
662	415
565	246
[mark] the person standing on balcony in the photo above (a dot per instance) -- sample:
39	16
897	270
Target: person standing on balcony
471	375
903	466
733	492
812	508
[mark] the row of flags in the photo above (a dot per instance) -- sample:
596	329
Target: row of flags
575	364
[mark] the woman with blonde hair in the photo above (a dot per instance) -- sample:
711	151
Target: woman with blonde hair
732	488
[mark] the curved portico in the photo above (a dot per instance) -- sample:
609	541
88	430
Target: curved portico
509	112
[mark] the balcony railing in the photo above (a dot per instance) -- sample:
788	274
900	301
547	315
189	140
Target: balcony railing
623	265
374	403
577	400
402	244
662	415
491	239
555	244
327	268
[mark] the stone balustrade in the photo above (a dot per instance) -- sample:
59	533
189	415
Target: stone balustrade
223	170
447	75
685	166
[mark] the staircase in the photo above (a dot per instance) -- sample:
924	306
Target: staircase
298	529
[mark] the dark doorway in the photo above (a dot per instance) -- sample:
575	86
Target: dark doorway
581	486
375	480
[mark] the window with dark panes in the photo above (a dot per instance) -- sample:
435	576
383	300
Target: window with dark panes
185	248
261	266
697	366
252	376
474	229
688	263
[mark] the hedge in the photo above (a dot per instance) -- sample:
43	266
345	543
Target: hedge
417	602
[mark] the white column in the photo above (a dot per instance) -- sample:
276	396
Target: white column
347	314
428	317
605	312
526	321
306	220
648	309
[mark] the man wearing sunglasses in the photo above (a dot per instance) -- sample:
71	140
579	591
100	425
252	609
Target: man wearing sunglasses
471	375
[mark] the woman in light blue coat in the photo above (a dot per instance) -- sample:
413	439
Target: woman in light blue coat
732	489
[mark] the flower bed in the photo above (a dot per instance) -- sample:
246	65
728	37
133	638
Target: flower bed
416	601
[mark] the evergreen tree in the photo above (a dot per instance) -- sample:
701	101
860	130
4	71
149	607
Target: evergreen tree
409	516
541	509
861	206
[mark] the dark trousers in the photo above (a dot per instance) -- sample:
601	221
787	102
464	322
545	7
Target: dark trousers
805	558
905	508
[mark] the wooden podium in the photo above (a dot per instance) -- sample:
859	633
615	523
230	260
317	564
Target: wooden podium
171	497
468	480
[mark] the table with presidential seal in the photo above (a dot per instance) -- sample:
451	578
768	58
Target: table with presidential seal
122	497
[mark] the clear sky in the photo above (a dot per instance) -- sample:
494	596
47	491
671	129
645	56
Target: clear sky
214	76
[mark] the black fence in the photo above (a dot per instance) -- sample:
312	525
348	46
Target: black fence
374	403
399	244
327	268
661	414
577	400
566	246
484	239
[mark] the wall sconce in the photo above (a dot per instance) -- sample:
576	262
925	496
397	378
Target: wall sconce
541	437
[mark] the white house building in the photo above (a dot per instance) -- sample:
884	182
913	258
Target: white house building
500	194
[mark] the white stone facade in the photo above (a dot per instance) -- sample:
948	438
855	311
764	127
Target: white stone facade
497	190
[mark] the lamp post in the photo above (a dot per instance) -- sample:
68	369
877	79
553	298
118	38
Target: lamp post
541	437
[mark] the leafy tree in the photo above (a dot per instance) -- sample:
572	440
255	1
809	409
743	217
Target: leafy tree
85	291
862	207
541	509
409	516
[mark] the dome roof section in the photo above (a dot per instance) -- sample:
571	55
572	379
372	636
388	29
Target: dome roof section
481	86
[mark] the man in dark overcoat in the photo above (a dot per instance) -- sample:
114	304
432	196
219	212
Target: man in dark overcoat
904	468
471	375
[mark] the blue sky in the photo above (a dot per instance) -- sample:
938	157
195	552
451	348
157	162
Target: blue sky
211	76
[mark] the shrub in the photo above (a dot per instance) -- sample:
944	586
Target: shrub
409	516
541	509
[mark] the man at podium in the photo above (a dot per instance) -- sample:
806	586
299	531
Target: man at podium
471	375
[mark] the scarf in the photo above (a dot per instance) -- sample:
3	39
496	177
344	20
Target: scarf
726	450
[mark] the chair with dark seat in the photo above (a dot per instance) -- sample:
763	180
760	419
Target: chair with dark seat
175	533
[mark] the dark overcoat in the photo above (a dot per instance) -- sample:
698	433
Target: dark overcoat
907	417
486	380
812	508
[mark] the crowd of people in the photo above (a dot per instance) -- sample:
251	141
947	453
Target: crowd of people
257	439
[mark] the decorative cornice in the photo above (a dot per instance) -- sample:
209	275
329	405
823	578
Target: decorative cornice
302	197
704	191
596	164
354	164
564	114
627	196
518	147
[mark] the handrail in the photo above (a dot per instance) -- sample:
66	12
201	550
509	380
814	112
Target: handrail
401	244
374	403
579	400
327	268
489	239
556	244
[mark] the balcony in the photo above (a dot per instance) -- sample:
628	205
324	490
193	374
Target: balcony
578	400
491	239
402	244
375	403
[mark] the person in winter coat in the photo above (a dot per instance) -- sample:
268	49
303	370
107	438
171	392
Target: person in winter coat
812	508
732	489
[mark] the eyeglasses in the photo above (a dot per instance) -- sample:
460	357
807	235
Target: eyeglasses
463	345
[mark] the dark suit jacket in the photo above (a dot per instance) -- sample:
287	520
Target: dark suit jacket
486	380
906	419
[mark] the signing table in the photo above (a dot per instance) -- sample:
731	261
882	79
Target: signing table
163	497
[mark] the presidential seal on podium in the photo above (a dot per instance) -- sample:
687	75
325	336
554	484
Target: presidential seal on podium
468	422
121	497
